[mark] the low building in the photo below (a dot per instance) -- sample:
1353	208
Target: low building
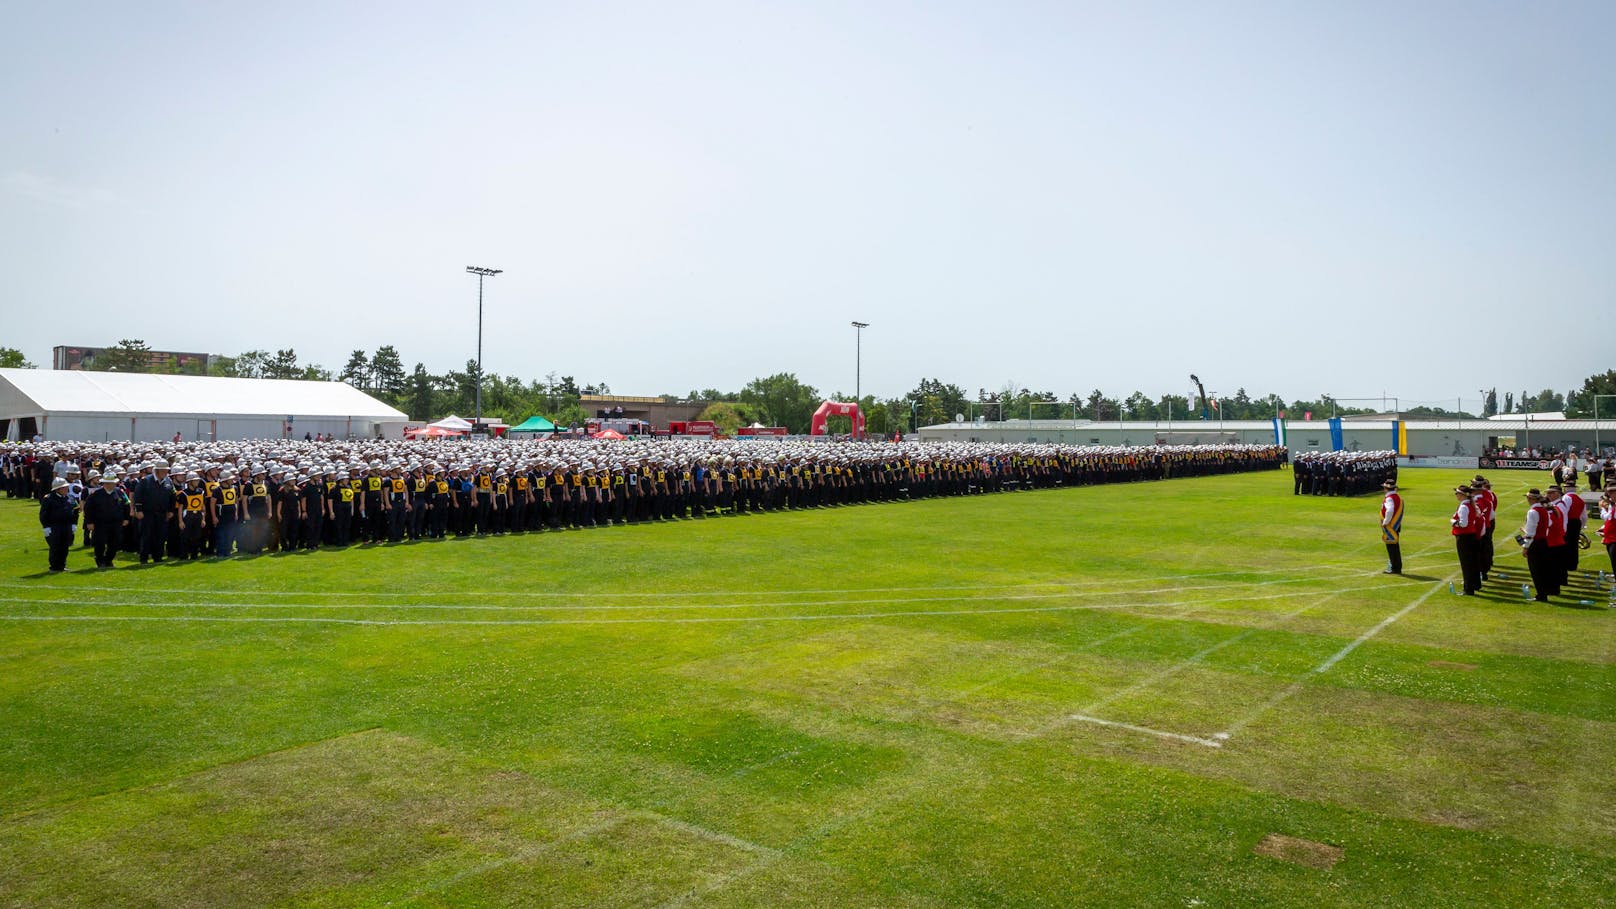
141	407
166	361
1426	438
658	411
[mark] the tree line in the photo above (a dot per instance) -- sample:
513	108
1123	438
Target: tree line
783	400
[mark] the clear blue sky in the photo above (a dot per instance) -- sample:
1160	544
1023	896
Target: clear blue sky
1290	197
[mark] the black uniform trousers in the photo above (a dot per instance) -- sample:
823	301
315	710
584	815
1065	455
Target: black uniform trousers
1469	549
1537	562
153	528
59	543
105	543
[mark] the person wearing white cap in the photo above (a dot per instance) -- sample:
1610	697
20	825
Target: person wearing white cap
193	501
58	517
154	499
106	513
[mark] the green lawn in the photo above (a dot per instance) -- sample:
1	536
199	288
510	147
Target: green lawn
1104	696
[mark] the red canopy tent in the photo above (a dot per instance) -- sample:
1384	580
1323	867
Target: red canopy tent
431	432
609	434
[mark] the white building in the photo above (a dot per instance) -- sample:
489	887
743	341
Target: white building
105	406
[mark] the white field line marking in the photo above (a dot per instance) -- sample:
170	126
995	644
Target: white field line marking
1350	569
649	620
957	697
26	601
521	855
1198	657
1087	714
1159	733
706	833
1301	681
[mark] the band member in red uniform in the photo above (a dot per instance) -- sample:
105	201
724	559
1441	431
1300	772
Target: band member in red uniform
1576	517
1557	541
1607	530
1534	541
1487	504
1391	527
1466	524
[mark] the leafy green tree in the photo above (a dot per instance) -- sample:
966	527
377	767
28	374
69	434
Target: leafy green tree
12	358
357	371
782	400
420	394
1139	407
1175	407
1490	406
1581	402
128	355
1099	407
314	372
934	401
387	372
724	415
254	364
283	365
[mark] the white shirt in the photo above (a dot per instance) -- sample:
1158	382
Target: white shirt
1530	530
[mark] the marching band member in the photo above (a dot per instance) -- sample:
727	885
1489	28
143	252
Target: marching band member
1391	527
1534	540
1466	524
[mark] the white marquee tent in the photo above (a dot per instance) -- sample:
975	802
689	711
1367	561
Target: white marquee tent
103	406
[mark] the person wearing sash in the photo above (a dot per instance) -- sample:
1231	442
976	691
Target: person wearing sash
1391	527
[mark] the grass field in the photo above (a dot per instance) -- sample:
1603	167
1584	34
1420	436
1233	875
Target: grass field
1106	696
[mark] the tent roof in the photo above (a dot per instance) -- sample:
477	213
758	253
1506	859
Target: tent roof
534	423
453	422
26	392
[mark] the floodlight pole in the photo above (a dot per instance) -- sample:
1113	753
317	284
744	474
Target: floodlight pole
481	273
858	361
1597	450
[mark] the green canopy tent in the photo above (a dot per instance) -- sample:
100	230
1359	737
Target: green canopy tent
533	424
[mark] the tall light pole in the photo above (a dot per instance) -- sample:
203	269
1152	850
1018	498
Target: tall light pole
858	354
481	273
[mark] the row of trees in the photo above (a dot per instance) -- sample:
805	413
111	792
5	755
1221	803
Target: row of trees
1575	403
783	400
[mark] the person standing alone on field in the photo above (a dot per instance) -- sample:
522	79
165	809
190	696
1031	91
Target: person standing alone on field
58	516
1391	527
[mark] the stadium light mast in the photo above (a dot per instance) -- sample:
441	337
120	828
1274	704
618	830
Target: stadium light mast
858	360
481	273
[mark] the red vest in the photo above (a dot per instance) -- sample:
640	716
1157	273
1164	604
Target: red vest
1474	528
1555	535
1577	508
1607	530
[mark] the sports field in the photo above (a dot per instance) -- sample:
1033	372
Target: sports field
1112	696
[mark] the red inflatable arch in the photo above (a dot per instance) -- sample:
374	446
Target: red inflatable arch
840	409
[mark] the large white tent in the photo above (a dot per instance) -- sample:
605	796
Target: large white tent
103	406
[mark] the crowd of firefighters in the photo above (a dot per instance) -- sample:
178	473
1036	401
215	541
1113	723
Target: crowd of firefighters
189	500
